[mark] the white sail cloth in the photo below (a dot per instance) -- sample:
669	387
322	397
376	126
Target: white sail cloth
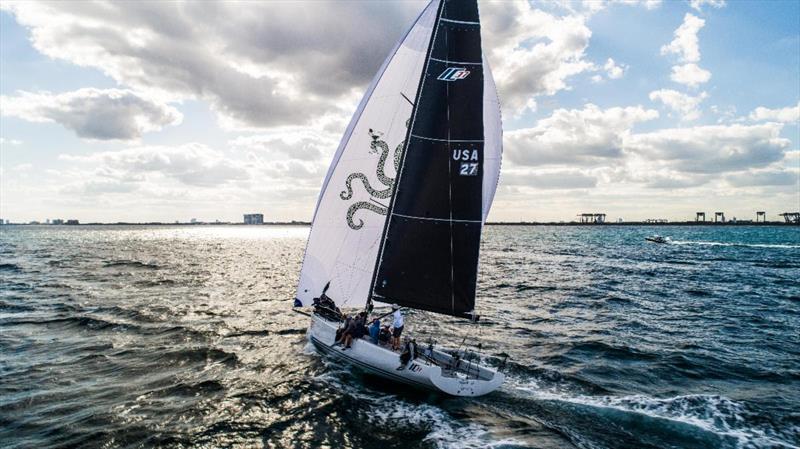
351	211
492	139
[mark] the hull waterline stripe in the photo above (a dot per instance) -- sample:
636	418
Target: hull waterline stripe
456	62
446	140
322	346
462	22
449	220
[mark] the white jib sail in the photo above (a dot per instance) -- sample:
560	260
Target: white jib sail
492	138
351	210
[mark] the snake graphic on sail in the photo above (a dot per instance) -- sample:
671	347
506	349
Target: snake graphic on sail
377	145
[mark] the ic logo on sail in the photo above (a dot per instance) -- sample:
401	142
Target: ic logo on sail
453	74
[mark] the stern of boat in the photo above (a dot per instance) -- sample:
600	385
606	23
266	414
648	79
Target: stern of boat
460	386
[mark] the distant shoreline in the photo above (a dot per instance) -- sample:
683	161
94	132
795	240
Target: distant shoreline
500	223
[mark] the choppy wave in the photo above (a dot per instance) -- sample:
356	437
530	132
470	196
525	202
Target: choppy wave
131	264
443	430
712	413
392	411
86	322
10	267
178	337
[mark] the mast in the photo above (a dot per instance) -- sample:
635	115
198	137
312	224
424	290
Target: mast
430	243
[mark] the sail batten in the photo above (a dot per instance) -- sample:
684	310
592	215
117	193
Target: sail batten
447	140
437	219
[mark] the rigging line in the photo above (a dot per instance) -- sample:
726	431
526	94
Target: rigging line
409	101
436	219
450	188
378	202
448	140
462	22
446	61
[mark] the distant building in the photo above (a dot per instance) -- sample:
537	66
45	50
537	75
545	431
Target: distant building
57	221
193	221
254	219
594	218
47	221
72	222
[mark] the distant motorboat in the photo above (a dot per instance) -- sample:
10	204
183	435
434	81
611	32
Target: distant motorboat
657	239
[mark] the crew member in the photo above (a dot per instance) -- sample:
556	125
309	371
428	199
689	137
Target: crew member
397	326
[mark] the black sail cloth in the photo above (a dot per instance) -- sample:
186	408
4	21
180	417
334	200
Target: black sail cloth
429	257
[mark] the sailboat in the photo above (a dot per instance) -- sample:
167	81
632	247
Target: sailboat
400	213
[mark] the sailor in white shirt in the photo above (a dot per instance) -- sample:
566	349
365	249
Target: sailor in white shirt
397	326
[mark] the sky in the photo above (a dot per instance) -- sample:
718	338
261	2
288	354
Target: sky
164	111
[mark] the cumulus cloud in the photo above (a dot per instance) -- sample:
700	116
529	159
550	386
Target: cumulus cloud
598	5
295	170
686	105
724	113
579	136
690	74
764	178
269	64
560	179
698	4
712	149
301	144
599	148
671	180
190	164
102	114
532	52
686	44
101	187
283	66
786	115
614	70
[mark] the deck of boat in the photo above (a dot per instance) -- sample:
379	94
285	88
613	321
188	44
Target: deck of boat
453	367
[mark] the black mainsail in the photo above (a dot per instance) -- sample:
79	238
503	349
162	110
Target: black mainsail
429	257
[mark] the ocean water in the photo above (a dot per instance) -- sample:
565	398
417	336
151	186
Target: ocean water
182	336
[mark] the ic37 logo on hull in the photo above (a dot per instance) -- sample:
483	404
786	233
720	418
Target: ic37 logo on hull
453	74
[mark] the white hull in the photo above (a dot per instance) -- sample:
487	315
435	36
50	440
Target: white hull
437	373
